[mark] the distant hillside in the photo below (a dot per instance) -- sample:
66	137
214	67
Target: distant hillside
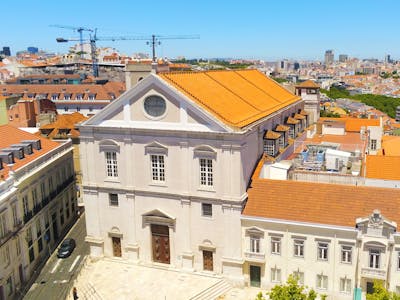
383	103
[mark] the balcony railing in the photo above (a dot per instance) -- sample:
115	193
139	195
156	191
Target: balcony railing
373	273
255	256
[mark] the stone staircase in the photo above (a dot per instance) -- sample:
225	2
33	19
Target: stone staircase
213	292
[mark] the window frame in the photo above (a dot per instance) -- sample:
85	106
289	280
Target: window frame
208	213
111	160
374	259
111	201
206	172
276	244
322	251
276	275
255	243
345	285
323	280
298	248
349	256
157	165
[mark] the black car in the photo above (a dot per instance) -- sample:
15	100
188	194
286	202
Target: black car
66	248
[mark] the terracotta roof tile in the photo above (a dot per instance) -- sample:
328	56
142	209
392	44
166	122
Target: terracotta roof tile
281	127
383	167
308	84
355	124
292	121
330	204
10	135
299	117
238	98
271	135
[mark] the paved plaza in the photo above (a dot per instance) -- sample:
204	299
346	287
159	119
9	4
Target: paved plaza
117	279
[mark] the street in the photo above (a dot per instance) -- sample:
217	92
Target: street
54	281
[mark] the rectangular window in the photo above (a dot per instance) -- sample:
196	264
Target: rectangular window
9	286
299	248
157	167
398	260
206	172
322	282
345	285
291	132
111	163
3	225
15	215
323	251
113	198
206	210
275	275
25	204
18	246
6	255
275	245
373	145
282	141
255	244
299	276
346	254
43	189
374	259
62	215
269	148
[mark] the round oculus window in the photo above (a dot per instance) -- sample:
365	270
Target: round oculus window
155	106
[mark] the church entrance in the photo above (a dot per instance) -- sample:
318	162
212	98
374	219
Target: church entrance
160	243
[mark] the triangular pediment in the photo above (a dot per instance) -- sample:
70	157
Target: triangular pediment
158	213
154	104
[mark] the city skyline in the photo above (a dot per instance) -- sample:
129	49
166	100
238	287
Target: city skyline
270	31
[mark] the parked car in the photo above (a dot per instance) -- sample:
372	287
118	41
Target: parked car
66	248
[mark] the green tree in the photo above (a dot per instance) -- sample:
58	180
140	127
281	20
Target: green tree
292	290
380	293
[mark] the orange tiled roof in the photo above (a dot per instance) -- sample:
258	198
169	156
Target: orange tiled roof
355	124
390	145
299	117
383	167
319	203
101	92
64	122
291	120
10	135
281	127
308	84
238	98
271	135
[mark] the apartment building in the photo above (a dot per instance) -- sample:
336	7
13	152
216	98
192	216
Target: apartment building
336	238
37	204
68	93
166	166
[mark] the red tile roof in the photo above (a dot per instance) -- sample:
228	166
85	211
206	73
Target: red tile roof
10	135
329	204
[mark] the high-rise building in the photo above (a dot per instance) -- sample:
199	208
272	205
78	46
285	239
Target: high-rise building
343	57
388	60
329	57
33	50
6	51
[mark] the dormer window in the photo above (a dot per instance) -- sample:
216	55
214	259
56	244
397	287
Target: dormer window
67	96
92	97
54	97
79	97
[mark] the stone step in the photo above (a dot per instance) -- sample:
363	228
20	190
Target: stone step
213	292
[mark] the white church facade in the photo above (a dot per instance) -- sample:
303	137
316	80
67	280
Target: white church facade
166	167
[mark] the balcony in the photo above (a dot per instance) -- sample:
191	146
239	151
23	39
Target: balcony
37	208
373	273
254	256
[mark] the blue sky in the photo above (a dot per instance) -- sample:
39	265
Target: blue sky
264	29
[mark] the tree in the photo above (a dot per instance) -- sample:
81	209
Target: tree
290	291
380	293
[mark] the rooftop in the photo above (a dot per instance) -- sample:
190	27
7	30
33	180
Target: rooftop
10	135
238	98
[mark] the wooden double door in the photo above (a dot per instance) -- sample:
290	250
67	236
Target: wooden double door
116	244
160	243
